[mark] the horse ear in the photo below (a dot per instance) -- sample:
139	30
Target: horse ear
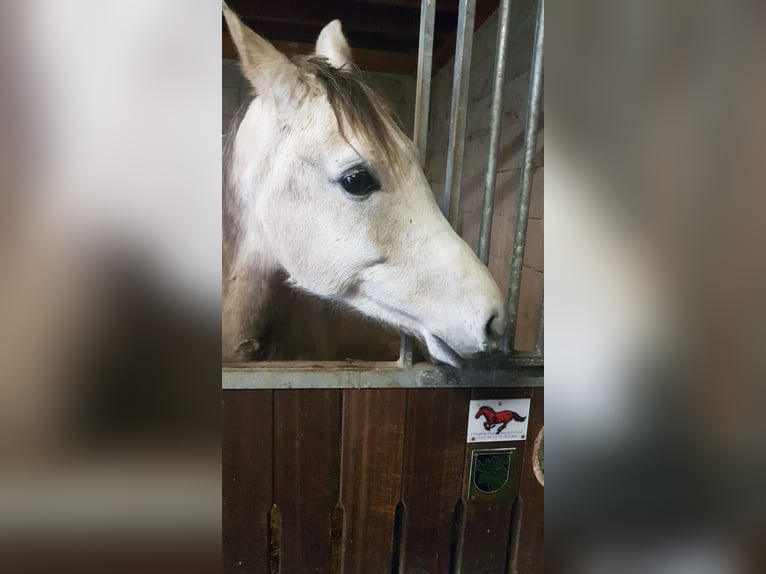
262	64
332	44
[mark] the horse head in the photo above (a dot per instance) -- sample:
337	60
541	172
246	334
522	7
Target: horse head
328	190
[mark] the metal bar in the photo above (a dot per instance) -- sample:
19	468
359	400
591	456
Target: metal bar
525	372
422	107
405	351
539	339
496	118
522	212
460	85
423	90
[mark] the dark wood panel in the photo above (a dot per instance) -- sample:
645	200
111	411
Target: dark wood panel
306	476
434	455
247	484
376	30
369	25
368	60
529	547
487	527
373	438
339	510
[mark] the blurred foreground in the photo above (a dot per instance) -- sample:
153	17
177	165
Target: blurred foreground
656	437
109	286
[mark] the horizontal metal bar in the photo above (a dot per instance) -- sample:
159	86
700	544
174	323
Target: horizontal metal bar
525	188
517	371
495	122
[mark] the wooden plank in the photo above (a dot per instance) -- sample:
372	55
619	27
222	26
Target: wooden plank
443	6
306	476
373	438
529	548
433	475
487	528
390	26
372	19
367	59
247	479
530	299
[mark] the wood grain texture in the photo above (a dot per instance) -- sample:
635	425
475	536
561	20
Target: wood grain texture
335	463
371	60
434	452
530	300
247	479
306	476
487	529
529	553
373	438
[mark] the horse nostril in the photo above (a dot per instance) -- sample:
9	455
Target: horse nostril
493	329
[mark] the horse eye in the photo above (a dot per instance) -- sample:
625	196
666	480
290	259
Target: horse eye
359	182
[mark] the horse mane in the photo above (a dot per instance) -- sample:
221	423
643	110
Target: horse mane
356	106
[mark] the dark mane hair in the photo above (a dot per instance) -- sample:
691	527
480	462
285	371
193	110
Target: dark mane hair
355	104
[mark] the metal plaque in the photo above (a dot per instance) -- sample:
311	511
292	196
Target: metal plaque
498	420
491	473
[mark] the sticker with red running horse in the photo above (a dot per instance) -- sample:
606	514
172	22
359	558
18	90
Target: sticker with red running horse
498	420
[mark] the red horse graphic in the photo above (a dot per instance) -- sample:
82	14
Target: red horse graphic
501	418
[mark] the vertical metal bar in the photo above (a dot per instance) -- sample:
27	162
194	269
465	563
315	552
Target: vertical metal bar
496	118
460	85
422	108
423	90
540	326
405	351
522	212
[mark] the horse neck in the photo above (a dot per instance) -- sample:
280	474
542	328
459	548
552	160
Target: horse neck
243	245
250	274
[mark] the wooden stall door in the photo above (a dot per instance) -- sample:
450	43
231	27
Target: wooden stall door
373	481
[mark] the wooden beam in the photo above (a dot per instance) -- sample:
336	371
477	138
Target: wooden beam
404	28
369	25
368	60
305	31
372	18
447	6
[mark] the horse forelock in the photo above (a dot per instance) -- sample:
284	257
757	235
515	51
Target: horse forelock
356	106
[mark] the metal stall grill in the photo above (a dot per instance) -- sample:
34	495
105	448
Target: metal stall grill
363	467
